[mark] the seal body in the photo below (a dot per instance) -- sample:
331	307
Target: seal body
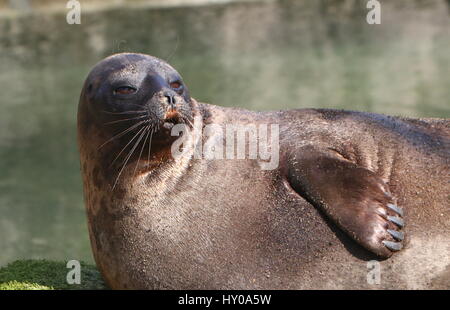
351	189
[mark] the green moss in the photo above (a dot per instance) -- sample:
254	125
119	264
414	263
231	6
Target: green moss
47	275
14	285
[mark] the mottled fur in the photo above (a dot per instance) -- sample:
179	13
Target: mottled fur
197	224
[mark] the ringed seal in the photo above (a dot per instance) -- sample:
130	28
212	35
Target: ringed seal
350	187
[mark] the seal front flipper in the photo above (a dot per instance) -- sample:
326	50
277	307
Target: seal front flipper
355	198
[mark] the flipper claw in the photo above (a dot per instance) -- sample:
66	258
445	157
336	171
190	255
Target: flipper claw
397	220
396	234
394	246
395	208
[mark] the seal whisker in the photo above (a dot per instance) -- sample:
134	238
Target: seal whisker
174	50
150	143
147	130
123	149
122	133
124	112
124	120
190	123
128	158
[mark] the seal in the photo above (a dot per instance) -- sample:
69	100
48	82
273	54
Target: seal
349	187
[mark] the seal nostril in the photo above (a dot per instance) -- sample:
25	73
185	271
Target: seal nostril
169	96
170	99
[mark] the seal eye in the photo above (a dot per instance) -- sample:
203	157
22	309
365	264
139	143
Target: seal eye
125	90
177	86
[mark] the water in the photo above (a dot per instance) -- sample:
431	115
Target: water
263	56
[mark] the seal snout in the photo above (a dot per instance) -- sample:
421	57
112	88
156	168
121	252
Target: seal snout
171	106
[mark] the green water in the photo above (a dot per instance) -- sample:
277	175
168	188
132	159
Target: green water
263	56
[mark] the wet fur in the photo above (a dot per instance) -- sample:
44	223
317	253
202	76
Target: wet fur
197	224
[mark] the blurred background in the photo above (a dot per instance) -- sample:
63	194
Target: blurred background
261	55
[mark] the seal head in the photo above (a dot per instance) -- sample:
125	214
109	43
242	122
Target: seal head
141	87
128	105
